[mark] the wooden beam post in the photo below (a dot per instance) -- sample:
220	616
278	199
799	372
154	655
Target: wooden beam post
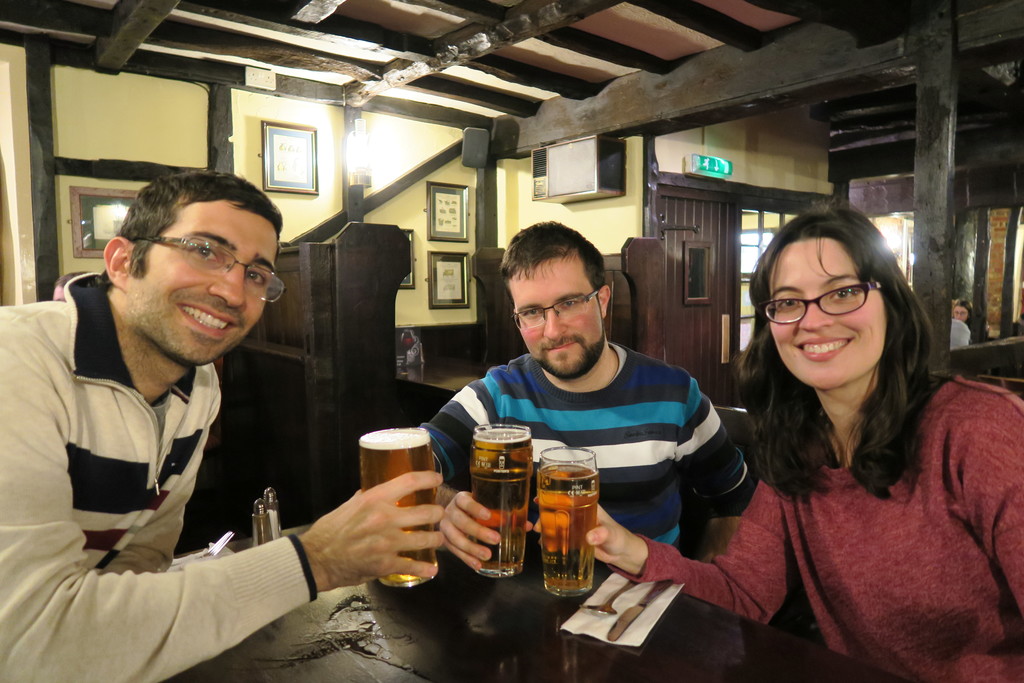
933	46
220	155
44	187
353	194
652	221
1009	293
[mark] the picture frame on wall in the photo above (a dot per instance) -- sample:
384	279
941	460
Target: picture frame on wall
447	212
448	279
409	282
96	217
289	158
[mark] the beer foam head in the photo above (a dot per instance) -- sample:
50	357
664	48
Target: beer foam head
388	439
499	433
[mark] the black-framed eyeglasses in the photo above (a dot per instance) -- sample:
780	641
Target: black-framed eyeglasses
566	309
835	302
203	254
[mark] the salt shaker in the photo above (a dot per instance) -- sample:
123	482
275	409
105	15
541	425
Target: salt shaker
270	496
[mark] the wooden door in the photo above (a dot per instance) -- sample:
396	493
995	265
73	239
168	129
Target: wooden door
701	302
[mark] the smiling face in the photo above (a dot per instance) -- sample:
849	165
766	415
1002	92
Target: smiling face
176	316
571	352
836	355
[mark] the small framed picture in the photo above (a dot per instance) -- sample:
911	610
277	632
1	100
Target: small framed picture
447	211
289	158
409	282
96	216
449	285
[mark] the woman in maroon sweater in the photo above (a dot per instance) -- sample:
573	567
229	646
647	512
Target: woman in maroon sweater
894	498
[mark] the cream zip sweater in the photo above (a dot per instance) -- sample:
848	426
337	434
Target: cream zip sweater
91	505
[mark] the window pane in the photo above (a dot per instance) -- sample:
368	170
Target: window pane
746	308
749	238
771	220
746	329
748	257
749	220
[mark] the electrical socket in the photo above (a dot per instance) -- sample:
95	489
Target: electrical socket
260	78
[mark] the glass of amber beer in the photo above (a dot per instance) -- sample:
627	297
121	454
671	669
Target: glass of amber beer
567	496
386	454
500	468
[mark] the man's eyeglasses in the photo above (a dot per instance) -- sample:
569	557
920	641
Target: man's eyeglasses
203	254
566	309
835	302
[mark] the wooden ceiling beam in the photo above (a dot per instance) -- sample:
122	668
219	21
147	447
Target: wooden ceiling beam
474	94
597	47
528	19
991	146
871	22
703	19
478	11
314	11
134	20
341	31
57	17
808	63
525	74
427	113
271	52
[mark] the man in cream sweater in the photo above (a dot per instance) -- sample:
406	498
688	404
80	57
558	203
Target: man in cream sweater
108	401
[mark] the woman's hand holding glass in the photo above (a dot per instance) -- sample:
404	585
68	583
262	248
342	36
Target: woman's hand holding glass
614	544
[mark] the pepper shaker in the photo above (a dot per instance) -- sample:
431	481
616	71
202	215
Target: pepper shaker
261	531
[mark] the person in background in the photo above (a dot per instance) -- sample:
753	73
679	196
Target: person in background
892	495
61	282
960	331
107	404
654	432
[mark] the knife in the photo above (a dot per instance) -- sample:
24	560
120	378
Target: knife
630	615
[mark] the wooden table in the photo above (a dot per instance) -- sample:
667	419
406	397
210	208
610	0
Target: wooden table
465	627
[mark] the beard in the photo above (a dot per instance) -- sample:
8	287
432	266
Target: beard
575	368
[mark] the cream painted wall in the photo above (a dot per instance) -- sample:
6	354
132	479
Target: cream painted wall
99	116
399	145
17	267
605	222
409	211
786	150
302	212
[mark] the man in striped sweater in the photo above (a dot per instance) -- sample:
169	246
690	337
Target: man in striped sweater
654	432
108	399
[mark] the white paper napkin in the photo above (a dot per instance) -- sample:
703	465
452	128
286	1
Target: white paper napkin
597	626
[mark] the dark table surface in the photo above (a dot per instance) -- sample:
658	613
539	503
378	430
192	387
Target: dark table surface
465	627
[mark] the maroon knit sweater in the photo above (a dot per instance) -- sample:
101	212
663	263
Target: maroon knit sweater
928	584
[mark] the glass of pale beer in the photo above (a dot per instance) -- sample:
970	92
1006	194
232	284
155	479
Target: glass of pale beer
567	491
386	454
500	467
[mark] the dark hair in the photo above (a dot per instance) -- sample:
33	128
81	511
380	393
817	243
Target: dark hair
543	242
58	284
966	305
793	435
156	207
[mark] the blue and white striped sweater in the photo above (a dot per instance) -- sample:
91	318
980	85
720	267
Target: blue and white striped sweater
652	429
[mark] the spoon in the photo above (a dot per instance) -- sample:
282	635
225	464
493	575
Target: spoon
606	607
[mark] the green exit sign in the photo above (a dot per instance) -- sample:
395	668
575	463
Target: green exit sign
716	167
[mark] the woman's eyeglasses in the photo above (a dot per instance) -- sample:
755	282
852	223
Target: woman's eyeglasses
203	254
835	302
